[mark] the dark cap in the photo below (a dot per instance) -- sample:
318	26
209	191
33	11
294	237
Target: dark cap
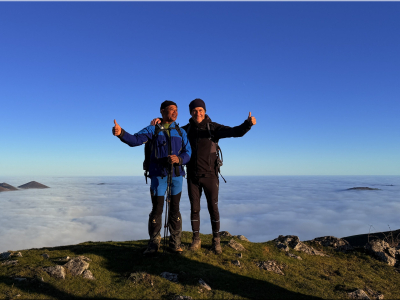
197	103
167	103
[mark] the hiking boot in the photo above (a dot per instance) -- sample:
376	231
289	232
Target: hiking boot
175	249
195	245
216	245
152	248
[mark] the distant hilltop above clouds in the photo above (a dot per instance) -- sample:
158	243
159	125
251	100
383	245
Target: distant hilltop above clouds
5	187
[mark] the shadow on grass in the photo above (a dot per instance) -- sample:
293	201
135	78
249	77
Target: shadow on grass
126	257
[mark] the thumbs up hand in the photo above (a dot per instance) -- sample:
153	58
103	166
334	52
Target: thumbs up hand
251	119
116	130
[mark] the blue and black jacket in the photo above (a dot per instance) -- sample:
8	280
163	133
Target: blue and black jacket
180	147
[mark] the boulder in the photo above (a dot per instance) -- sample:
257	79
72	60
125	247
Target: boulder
334	242
76	266
293	242
382	251
169	276
45	255
358	294
56	271
272	266
235	245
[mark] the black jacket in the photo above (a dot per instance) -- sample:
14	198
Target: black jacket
204	156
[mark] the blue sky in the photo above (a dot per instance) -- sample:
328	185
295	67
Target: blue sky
322	79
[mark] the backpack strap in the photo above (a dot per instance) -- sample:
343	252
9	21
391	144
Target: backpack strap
148	149
220	159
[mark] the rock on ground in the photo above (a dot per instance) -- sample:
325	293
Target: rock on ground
76	266
225	233
181	297
5	255
204	284
9	263
56	271
383	252
293	255
272	266
236	263
235	245
293	241
169	276
139	277
358	294
334	242
242	238
88	275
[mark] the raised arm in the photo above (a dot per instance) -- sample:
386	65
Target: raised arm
222	131
136	139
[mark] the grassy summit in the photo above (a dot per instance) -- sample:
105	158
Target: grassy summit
122	272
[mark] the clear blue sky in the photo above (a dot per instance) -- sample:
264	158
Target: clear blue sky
322	79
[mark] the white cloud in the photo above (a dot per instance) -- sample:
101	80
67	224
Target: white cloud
78	209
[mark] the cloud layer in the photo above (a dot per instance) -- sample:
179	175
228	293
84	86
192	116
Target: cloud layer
79	209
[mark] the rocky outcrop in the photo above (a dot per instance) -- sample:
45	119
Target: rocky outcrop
272	266
76	266
334	242
293	241
383	252
33	185
358	294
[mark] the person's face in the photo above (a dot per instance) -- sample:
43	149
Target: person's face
198	114
170	113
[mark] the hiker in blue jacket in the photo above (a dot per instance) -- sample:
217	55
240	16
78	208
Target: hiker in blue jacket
204	165
169	145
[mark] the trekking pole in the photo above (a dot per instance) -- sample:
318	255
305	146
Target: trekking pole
168	200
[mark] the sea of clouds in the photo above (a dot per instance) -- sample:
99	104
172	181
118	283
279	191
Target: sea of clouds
79	209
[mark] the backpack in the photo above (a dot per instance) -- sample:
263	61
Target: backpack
148	148
220	159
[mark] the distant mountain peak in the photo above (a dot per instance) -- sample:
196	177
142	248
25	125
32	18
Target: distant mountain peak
4	187
33	185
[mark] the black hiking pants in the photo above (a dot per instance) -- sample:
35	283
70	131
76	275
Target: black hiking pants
210	185
157	190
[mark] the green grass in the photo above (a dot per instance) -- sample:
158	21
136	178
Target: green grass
314	277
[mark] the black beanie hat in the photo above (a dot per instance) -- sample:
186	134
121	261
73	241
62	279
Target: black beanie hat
167	103
197	103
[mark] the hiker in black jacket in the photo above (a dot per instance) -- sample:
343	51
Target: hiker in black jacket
202	169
